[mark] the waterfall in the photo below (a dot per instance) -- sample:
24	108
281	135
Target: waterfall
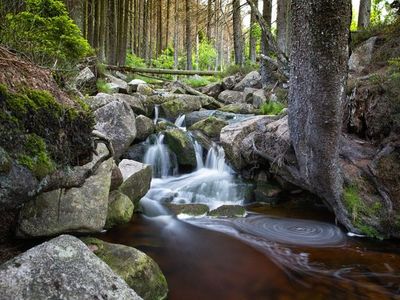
199	155
160	158
216	159
156	113
179	122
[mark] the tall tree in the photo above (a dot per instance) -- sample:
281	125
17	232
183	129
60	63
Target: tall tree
209	19
364	14
283	26
252	38
189	63
237	33
317	89
265	49
112	32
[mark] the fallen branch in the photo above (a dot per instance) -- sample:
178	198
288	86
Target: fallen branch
162	71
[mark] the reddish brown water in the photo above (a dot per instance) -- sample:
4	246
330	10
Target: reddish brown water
206	264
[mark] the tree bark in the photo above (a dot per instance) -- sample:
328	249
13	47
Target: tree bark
252	38
209	19
237	33
283	26
265	49
189	63
317	90
112	33
364	14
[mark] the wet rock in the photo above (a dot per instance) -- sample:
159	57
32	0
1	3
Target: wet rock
116	178
180	105
144	127
164	125
5	161
117	85
116	121
202	139
188	209
133	84
361	56
229	97
211	126
266	192
251	80
135	152
228	211
212	90
135	102
63	268
82	209
179	143
86	82
139	271
120	209
239	108
137	179
196	116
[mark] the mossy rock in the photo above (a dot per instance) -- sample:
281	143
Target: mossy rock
210	126
164	125
120	209
176	107
239	108
179	143
5	161
188	209
228	211
139	271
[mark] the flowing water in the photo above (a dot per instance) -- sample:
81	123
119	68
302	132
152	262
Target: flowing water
281	252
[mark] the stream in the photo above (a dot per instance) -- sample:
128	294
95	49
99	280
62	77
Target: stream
281	251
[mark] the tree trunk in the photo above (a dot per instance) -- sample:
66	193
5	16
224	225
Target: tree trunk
317	90
364	14
237	33
209	19
283	26
90	21
252	38
112	33
267	16
103	29
176	50
189	64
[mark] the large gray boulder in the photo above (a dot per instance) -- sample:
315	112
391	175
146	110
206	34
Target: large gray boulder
210	126
117	85
229	97
133	84
85	82
120	209
251	80
228	83
180	105
116	121
139	271
179	143
213	89
135	102
145	127
361	56
137	180
82	209
259	98
63	268
100	100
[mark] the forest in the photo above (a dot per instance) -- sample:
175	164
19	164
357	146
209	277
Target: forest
199	149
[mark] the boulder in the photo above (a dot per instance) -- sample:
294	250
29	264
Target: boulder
228	211
116	121
361	56
180	105
100	100
228	83
239	108
248	95
82	209
117	85
211	126
164	125
144	89
251	80
144	127
259	98
137	179
188	209
120	75
136	152
179	143
135	102
196	116
116	178
5	161
266	192
120	209
232	136
139	271
229	97
133	84
63	268
213	89
86	81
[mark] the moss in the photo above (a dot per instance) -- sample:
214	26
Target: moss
102	86
211	126
5	161
120	209
41	133
271	108
228	211
188	209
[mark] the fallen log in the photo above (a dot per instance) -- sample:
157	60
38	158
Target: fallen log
162	71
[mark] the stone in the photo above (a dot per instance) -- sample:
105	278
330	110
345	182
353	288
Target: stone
229	97
145	127
136	152
248	95
252	80
228	211
361	56
120	75
118	85
259	98
188	209
266	192
145	89
135	102
63	268
133	84
180	105
117	122
86	81
179	143
138	270
137	179
196	116
100	100
239	108
164	125
228	83
120	209
82	209
5	161
116	178
232	136
213	89
211	126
